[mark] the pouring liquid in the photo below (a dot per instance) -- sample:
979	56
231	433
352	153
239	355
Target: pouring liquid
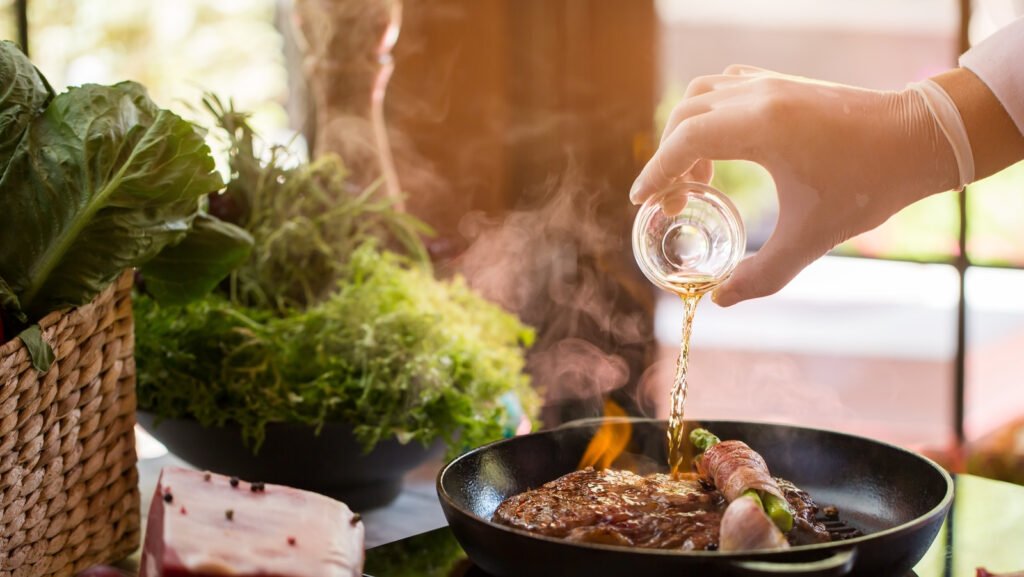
688	251
690	289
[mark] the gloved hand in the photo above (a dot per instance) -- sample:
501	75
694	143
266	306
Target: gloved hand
844	159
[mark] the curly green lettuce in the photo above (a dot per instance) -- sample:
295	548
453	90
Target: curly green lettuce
393	351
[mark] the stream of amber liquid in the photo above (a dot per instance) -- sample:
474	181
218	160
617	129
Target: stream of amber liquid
691	293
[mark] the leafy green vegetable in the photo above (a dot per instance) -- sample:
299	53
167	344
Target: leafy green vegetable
9	300
26	93
100	182
392	351
432	554
190	269
39	350
95	181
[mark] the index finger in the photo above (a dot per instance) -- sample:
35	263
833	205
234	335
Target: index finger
720	134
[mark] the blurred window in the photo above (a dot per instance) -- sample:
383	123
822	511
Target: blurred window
178	50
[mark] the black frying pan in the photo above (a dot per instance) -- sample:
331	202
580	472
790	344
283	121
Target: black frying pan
897	498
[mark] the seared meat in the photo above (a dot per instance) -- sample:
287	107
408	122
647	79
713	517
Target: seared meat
805	529
620	508
623	508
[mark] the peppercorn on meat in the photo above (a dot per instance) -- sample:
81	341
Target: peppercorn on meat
206	525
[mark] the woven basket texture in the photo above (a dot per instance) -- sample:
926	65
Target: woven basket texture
69	496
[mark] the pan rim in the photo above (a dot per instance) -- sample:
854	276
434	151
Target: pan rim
830	547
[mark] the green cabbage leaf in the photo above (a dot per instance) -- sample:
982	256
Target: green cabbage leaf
24	95
102	181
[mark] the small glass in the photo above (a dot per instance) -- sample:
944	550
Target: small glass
697	248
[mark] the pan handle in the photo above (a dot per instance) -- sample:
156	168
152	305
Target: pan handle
840	563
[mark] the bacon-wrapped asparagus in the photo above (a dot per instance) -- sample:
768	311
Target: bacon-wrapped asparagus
736	471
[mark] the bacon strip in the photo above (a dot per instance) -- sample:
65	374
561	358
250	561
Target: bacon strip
733	467
745	527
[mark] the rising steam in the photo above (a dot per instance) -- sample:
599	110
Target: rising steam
558	265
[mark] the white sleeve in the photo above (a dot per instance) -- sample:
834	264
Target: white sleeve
999	62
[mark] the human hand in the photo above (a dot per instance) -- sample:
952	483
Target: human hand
844	159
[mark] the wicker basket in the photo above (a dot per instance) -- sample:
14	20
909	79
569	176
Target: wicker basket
69	495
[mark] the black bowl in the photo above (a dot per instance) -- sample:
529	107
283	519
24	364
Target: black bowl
332	463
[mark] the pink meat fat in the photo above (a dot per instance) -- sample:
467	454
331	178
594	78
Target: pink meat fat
200	525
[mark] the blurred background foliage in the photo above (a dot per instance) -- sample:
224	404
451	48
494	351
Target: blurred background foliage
8	25
178	50
995	213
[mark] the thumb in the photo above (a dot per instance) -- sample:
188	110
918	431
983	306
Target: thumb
766	272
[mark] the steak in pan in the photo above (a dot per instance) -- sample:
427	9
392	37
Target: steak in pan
616	507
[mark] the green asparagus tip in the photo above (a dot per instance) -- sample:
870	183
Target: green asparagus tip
779	512
752	494
703	439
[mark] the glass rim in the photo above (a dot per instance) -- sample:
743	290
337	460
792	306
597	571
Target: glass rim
703	192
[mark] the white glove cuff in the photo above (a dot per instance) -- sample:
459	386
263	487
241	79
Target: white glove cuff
947	116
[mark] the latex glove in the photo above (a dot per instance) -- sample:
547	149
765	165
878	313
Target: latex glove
844	159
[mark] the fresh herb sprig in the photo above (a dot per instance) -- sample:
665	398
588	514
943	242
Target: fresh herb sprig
306	218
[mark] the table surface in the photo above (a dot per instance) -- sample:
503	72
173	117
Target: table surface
986	528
